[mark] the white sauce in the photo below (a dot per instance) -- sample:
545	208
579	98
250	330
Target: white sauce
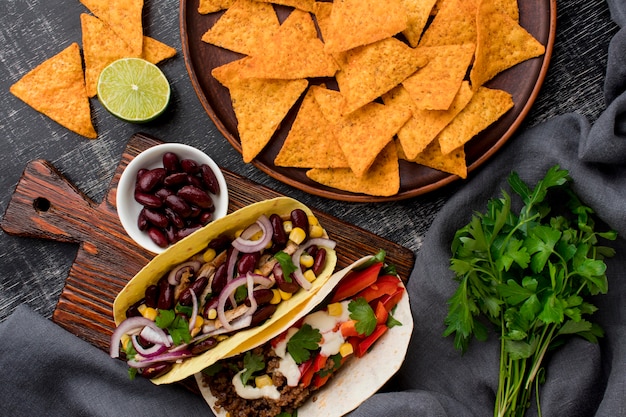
253	393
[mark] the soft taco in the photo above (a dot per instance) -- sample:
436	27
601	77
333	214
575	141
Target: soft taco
328	360
222	290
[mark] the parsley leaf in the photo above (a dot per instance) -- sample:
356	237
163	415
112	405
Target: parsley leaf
176	325
527	272
305	340
251	363
286	264
364	315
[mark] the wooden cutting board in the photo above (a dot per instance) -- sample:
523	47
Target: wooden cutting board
46	205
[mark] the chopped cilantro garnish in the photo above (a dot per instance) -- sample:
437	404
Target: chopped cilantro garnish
362	313
176	325
212	370
251	363
336	359
303	342
286	264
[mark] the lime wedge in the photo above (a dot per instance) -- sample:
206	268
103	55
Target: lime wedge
133	89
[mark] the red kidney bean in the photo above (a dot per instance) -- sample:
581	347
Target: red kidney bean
186	231
219	244
319	261
170	234
162	193
155	217
209	179
171	163
156	370
281	281
262	296
179	205
189	166
279	237
211	304
151	179
148	200
219	279
174	219
300	219
158	237
263	313
197	287
142	222
152	296
177	179
133	310
196	196
203	345
140	173
166	294
247	262
195	181
205	217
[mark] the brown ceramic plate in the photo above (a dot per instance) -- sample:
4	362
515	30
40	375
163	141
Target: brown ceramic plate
523	81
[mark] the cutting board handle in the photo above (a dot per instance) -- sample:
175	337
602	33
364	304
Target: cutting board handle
46	205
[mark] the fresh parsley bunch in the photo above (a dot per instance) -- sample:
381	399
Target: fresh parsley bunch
529	273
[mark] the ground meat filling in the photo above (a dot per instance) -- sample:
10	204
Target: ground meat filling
290	397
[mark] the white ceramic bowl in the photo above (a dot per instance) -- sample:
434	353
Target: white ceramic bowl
128	209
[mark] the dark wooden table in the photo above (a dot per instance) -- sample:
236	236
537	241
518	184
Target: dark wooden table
33	271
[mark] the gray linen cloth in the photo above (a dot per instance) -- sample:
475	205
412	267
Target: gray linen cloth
45	371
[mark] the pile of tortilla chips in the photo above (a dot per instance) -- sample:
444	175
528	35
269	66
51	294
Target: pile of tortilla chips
400	79
60	89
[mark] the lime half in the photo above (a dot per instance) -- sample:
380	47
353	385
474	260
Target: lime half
133	89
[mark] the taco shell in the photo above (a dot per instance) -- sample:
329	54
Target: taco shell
241	340
359	378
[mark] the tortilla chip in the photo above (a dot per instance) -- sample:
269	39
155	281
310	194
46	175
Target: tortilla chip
418	12
101	46
502	43
363	133
452	162
435	86
454	24
382	179
369	71
360	22
311	142
322	16
211	6
486	106
260	105
305	5
510	7
245	27
124	17
294	52
56	88
425	125
155	51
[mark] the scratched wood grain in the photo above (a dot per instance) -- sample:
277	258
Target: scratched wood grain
46	205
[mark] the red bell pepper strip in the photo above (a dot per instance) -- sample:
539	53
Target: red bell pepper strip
381	313
364	345
356	281
384	285
390	301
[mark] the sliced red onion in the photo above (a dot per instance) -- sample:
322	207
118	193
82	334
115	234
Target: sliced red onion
253	303
147	352
130	326
245	245
177	272
230	288
194	310
153	336
165	357
297	274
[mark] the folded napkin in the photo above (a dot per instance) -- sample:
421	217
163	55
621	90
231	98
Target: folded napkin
45	371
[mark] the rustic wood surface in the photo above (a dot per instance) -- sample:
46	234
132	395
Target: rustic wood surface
46	205
33	271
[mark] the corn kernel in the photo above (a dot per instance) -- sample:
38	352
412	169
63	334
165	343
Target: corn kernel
209	255
309	275
316	231
276	298
263	381
150	313
142	308
306	260
335	309
221	337
346	349
287	226
284	295
297	235
313	220
199	322
194	332
212	314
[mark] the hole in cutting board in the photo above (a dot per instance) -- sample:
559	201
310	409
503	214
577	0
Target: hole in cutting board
41	204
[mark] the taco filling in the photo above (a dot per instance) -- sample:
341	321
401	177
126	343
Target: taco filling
281	375
237	282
